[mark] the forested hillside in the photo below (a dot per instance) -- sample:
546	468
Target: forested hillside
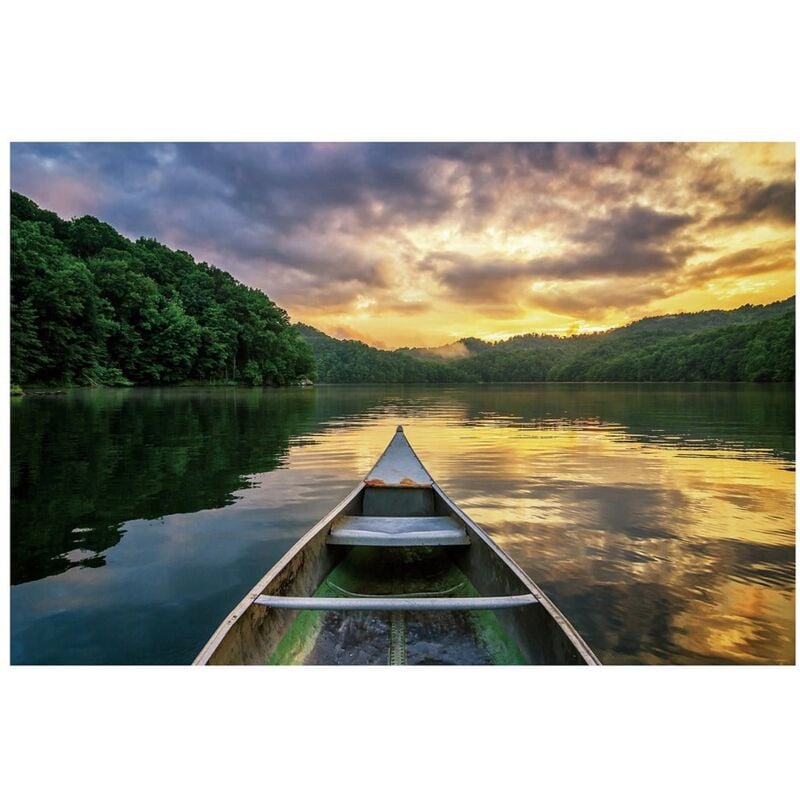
706	320
348	361
753	343
759	351
448	352
89	306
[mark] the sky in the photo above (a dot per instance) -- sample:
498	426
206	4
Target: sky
422	244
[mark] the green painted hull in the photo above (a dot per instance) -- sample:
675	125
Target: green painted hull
396	637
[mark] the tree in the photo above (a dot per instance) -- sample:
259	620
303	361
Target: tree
90	306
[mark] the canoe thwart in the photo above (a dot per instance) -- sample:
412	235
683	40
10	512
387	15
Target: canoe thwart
398	531
395	603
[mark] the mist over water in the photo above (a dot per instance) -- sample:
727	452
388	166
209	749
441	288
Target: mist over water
659	518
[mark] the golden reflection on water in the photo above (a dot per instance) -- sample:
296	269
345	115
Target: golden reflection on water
659	551
659	518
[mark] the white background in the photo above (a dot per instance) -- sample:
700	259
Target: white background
404	71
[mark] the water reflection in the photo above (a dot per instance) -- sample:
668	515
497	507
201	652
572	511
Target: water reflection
660	519
83	465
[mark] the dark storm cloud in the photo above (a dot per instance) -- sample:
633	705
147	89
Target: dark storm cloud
469	279
264	209
503	281
630	242
266	189
631	227
289	185
746	262
593	303
759	202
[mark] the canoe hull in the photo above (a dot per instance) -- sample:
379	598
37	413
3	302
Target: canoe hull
252	632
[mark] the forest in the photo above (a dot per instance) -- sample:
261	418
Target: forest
752	343
349	361
91	307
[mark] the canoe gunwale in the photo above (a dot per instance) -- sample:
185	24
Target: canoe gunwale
320	529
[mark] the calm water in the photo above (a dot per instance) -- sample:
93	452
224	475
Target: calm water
659	518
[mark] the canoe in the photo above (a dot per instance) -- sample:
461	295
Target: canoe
396	574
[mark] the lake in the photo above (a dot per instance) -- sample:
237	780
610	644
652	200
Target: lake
659	518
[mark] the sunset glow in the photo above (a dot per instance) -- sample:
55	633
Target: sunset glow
423	244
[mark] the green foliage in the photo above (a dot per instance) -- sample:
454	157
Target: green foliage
106	376
346	361
753	343
756	351
91	307
252	374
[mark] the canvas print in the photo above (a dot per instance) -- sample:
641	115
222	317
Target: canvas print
428	403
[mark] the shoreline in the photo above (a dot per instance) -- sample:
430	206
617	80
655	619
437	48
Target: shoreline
39	390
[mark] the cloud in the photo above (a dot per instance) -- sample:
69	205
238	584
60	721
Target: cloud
584	287
746	262
760	202
629	242
594	300
632	226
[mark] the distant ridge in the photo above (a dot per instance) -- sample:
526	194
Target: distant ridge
702	320
351	361
750	343
463	348
687	322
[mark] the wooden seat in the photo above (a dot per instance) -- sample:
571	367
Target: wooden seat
398	531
